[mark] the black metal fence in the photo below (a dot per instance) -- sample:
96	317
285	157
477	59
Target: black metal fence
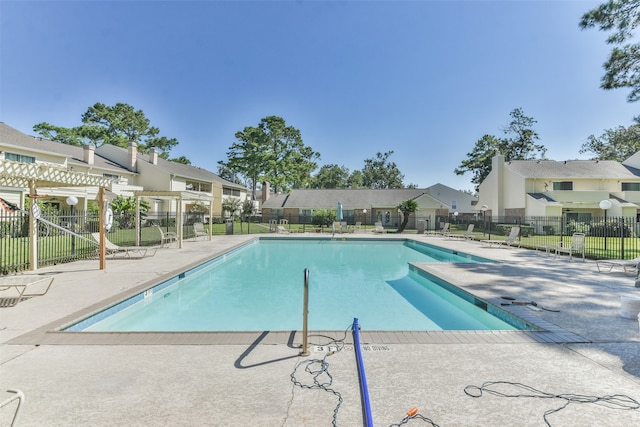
67	236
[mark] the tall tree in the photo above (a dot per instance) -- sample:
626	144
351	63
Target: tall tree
181	159
380	173
331	176
272	152
614	144
116	125
70	136
245	157
478	161
288	162
518	144
356	180
622	69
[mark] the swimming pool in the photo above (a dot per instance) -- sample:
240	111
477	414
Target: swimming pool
259	287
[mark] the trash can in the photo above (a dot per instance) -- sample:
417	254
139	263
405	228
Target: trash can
420	226
229	226
629	306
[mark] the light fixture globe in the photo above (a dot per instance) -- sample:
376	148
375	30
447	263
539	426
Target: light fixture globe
605	204
72	200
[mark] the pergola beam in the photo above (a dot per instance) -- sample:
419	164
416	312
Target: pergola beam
31	176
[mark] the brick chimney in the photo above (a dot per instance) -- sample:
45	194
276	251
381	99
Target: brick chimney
133	155
265	191
153	156
89	153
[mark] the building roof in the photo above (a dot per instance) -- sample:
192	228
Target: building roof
74	154
191	172
351	199
173	168
572	169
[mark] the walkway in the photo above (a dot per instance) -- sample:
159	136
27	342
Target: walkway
240	380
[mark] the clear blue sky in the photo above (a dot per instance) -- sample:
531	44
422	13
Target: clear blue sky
425	79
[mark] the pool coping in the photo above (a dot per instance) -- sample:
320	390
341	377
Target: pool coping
53	333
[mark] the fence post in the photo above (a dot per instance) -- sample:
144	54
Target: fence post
622	228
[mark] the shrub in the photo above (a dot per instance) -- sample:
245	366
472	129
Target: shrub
323	217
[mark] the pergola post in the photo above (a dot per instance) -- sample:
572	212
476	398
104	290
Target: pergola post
33	228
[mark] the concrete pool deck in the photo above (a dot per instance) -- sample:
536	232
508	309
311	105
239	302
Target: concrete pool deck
245	379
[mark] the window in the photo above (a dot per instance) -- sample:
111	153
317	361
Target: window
19	158
231	192
631	186
111	176
578	216
563	185
198	186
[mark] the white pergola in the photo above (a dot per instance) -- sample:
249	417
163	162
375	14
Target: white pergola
36	175
180	197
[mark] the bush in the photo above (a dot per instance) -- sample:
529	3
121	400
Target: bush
610	230
323	217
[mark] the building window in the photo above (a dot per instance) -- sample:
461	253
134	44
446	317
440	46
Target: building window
579	216
563	185
631	186
19	158
231	192
111	176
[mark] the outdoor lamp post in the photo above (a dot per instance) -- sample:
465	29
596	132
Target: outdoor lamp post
605	205
455	217
364	219
484	208
72	201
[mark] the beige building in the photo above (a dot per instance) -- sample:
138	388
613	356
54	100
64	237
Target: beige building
16	146
436	205
128	171
572	188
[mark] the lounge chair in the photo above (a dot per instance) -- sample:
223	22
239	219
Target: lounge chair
628	265
167	237
442	232
512	239
198	229
336	227
466	235
576	245
282	230
21	285
130	252
379	228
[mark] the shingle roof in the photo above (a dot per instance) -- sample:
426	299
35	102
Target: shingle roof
189	171
351	199
74	154
173	168
541	196
552	169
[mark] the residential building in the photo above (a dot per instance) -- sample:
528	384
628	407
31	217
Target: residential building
436	205
19	147
161	182
156	174
571	188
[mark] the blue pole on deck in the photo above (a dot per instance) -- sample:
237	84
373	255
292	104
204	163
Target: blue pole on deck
368	420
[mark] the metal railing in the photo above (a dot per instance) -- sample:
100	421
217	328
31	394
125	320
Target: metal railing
66	236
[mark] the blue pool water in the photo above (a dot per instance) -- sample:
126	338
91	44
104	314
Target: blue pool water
260	287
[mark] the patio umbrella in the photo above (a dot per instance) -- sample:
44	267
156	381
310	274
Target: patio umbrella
339	211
